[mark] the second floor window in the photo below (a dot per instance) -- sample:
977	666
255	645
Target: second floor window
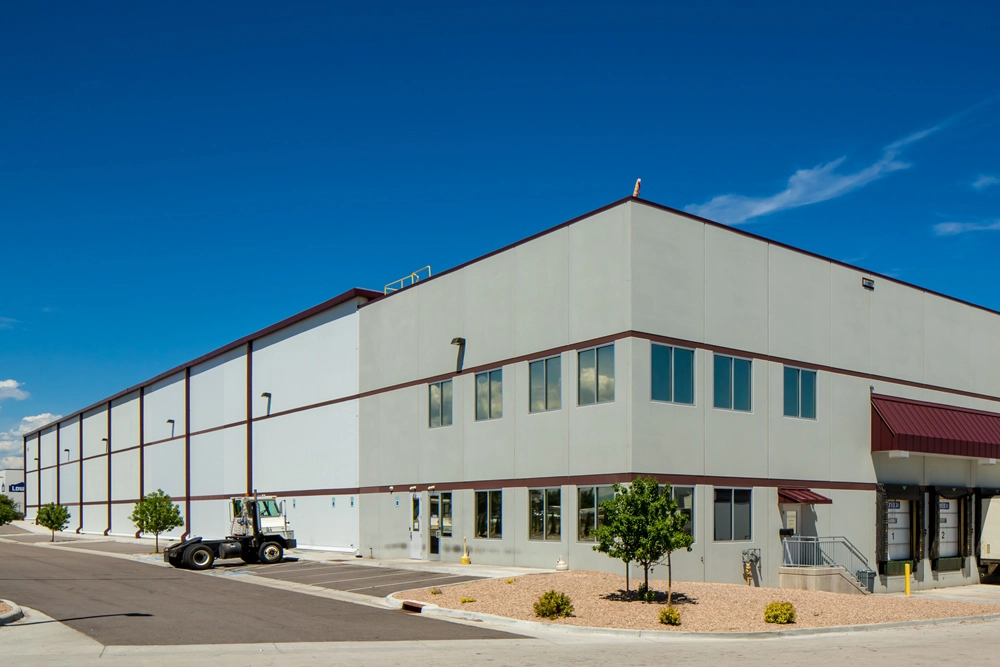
800	393
439	404
673	374
489	395
732	383
597	375
545	384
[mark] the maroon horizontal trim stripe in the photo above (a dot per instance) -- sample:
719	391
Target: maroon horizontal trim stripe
528	482
355	293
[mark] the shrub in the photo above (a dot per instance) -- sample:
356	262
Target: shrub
553	605
670	616
435	591
646	594
465	600
510	581
780	613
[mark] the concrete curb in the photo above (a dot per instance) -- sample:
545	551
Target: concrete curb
537	626
15	613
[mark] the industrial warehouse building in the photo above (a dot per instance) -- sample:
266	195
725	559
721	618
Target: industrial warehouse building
780	393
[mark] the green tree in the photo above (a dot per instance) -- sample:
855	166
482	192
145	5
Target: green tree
54	517
642	523
8	510
156	514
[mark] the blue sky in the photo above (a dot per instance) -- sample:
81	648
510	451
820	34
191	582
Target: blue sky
175	176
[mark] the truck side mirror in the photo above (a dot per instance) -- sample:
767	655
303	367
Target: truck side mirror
281	507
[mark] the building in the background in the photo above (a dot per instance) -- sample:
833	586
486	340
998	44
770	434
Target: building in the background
12	485
805	411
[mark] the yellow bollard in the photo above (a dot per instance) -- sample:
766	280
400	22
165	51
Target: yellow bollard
465	555
906	572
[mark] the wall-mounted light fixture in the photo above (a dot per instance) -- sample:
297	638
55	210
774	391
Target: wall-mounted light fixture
458	340
267	395
390	488
431	487
67	453
898	454
412	488
107	444
868	283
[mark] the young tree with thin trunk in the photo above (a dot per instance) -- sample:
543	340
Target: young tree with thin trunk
643	523
54	517
156	514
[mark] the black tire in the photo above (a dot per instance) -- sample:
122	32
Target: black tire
270	553
176	561
198	557
249	558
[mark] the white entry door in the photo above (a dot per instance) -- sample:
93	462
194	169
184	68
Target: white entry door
416	551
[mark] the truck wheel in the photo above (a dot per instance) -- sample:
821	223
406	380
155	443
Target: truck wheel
199	557
270	552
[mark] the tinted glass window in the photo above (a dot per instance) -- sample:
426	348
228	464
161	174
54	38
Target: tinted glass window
742	384
791	392
722	379
808	394
683	376
661	390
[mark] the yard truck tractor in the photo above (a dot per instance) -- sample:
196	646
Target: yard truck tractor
258	533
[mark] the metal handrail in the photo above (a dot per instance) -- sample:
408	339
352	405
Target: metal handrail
831	551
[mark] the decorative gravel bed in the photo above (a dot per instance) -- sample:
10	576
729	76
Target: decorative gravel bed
597	601
4	608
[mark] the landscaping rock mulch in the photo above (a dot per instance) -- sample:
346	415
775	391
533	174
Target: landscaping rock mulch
599	600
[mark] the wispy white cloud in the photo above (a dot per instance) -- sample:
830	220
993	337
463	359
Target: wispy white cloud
810	186
11	443
985	181
954	228
12	389
7	322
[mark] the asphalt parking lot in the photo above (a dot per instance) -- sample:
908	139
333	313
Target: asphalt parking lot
124	602
347	576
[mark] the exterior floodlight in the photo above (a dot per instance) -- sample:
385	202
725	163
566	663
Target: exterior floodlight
898	454
412	488
987	462
390	488
458	341
266	394
170	421
431	487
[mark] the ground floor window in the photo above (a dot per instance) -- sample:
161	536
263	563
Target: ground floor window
590	514
545	514
489	514
684	497
733	515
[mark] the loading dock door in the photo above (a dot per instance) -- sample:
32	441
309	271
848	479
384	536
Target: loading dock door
948	533
899	529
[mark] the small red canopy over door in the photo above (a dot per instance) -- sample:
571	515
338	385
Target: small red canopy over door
802	496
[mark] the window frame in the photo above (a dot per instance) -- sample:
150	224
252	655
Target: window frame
732	513
489	513
673	372
430	412
544	490
732	382
694	503
595	488
489	395
798	385
544	361
596	349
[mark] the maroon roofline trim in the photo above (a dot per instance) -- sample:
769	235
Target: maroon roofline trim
354	293
691	216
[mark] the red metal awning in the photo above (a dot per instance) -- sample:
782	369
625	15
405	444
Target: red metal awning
802	496
932	428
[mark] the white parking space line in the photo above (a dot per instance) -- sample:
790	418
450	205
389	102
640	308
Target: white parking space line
404	583
395	573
